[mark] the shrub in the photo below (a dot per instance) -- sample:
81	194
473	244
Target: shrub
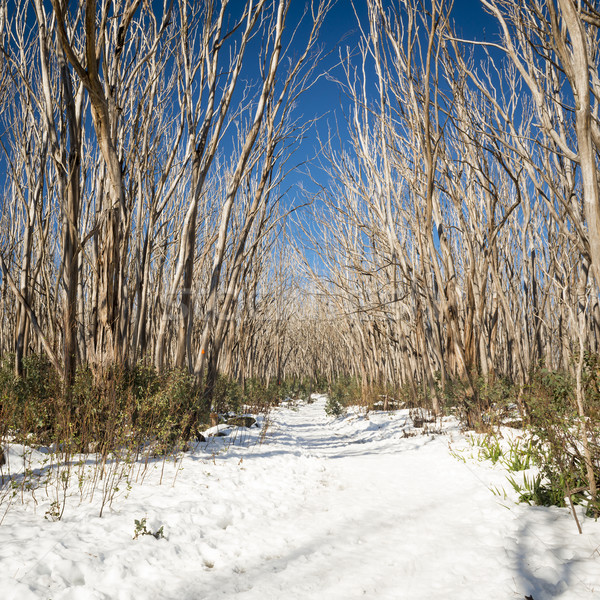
29	403
333	407
172	401
343	392
296	388
258	395
227	395
557	429
455	395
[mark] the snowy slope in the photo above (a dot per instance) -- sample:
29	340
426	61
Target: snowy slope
322	509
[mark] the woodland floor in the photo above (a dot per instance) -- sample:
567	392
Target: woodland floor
355	507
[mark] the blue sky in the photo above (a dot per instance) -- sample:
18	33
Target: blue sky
325	100
341	30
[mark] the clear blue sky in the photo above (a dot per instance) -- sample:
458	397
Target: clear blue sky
325	99
341	29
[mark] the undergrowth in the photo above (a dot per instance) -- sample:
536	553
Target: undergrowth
549	451
104	433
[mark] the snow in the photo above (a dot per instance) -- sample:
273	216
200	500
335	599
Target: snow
323	508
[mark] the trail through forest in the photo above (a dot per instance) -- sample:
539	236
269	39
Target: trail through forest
355	507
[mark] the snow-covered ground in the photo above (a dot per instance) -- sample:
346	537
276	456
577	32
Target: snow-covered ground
322	508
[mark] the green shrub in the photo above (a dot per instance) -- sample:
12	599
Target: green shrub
258	394
499	392
591	385
533	490
165	412
343	392
549	395
144	380
556	427
456	396
121	408
28	404
297	388
333	407
227	395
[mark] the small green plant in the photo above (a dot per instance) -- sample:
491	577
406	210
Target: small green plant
227	395
333	407
343	392
54	513
520	457
535	491
499	491
141	529
456	453
492	450
489	448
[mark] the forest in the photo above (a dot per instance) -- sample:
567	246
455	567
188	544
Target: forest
169	253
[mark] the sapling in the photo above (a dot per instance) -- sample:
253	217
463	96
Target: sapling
141	529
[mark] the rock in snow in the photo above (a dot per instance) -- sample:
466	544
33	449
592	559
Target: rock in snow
241	421
327	509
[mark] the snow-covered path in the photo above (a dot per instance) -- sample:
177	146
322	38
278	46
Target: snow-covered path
322	509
